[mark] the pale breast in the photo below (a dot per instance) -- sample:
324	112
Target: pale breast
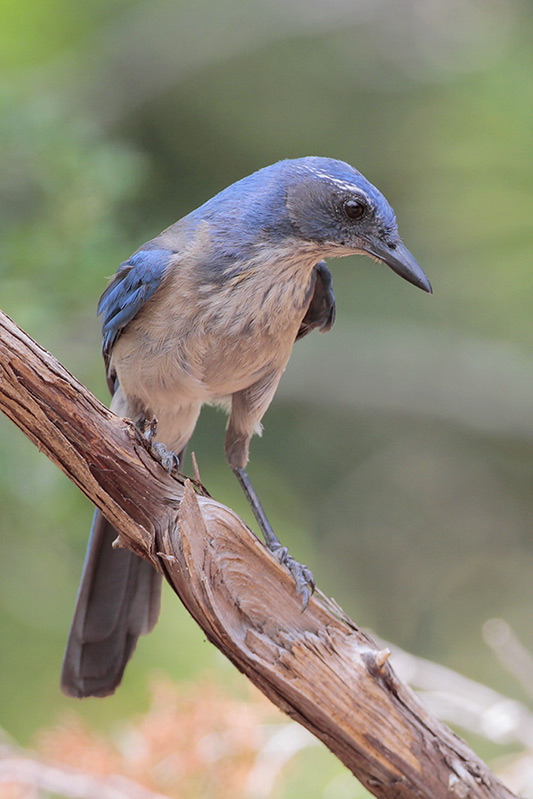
197	340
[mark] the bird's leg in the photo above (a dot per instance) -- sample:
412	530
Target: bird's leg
247	409
303	577
166	457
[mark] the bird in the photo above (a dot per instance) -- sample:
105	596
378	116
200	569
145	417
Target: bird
207	312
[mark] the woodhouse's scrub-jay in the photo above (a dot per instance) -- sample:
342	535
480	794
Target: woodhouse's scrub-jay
208	312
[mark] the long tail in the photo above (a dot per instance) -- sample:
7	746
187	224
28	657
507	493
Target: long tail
118	600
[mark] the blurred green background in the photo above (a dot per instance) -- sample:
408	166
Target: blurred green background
397	458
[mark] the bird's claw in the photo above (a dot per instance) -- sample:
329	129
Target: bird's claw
166	457
303	577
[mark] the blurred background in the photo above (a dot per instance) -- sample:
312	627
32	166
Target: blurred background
397	457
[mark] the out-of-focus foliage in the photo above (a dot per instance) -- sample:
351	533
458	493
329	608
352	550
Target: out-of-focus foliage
195	740
397	458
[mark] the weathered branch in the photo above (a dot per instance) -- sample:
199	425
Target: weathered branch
317	666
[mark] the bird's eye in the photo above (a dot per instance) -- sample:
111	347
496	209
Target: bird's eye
354	209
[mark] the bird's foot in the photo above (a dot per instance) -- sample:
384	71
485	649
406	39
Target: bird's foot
166	457
303	577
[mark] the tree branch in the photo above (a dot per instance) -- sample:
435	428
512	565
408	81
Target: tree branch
316	666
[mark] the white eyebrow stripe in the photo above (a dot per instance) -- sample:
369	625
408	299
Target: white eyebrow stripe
341	184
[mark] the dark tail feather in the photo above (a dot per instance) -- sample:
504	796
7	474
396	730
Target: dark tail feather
118	600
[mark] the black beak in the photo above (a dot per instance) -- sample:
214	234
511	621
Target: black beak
400	261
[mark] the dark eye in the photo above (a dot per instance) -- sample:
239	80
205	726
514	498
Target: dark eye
354	209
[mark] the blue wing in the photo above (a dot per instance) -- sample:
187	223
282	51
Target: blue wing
133	285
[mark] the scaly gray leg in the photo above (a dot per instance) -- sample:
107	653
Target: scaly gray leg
303	577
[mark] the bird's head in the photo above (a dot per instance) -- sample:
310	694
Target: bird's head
331	204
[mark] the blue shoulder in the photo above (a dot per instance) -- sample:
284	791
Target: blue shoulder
133	285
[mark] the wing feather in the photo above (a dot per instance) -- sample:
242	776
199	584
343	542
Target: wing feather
135	282
321	311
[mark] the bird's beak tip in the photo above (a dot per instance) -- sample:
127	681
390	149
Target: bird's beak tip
400	261
422	282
